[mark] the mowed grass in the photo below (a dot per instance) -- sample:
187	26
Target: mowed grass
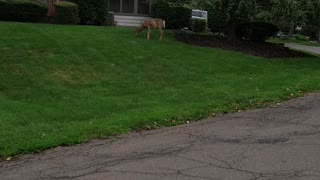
294	41
61	85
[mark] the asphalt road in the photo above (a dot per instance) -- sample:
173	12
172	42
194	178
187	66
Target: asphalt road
312	49
277	143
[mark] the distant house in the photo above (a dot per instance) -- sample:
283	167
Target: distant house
130	12
125	12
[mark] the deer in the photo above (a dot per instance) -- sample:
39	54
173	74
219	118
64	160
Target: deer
152	24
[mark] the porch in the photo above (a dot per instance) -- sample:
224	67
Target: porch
130	12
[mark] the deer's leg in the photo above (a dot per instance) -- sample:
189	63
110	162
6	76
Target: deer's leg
161	33
149	32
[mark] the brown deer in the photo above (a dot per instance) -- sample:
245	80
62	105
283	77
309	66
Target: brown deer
151	24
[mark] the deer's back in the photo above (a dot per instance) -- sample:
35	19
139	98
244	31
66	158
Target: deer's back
154	23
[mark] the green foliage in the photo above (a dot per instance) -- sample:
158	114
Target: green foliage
198	25
256	31
92	11
312	8
218	14
224	15
300	37
66	12
287	14
176	15
22	10
245	10
296	39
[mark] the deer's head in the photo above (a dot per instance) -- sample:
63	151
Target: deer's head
138	30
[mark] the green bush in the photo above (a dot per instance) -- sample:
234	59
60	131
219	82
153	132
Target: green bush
300	37
23	10
92	11
66	12
176	16
257	31
198	25
218	15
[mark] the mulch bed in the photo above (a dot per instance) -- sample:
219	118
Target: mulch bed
267	50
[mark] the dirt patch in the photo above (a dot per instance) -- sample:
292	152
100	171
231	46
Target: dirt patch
267	50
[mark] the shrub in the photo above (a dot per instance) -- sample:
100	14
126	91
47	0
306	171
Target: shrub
66	12
218	15
198	25
257	31
23	10
176	16
92	11
301	37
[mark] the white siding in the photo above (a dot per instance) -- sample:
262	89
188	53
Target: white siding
130	21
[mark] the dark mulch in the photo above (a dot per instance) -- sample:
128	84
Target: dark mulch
267	50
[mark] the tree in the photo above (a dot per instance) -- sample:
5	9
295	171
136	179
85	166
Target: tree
176	13
225	15
264	11
265	5
287	14
313	18
92	11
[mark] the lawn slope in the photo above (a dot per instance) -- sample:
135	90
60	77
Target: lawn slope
62	85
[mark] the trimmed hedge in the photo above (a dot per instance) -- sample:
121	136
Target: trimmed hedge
176	17
198	25
218	15
23	10
66	12
92	11
257	31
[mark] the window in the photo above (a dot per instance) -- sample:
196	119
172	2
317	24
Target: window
196	13
115	6
128	6
143	6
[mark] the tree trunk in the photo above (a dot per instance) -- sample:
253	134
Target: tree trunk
319	34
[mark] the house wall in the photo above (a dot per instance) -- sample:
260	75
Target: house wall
131	7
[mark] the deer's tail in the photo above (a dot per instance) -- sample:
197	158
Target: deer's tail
164	23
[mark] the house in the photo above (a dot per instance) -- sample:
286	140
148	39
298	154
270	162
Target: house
130	12
125	12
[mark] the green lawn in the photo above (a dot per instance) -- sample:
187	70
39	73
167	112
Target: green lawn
294	41
61	85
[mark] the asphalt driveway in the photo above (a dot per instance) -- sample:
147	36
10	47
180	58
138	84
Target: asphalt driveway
276	143
312	49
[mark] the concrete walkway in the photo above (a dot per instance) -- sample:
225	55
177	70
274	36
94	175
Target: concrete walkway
312	49
276	143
